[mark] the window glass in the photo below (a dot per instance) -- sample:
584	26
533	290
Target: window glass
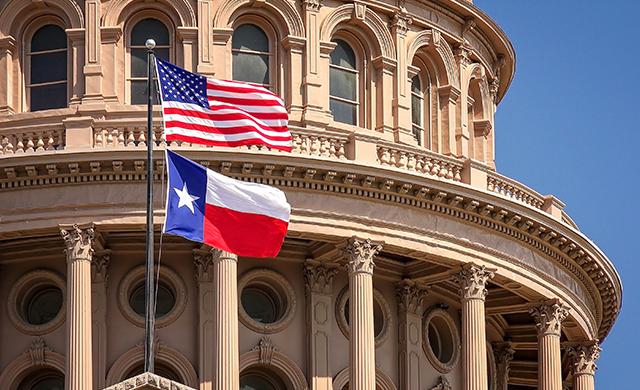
49	37
417	101
48	68
149	28
43	305
250	53
48	96
259	305
343	84
43	380
343	112
143	30
343	55
255	382
165	300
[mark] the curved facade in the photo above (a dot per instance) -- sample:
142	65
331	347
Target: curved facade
410	262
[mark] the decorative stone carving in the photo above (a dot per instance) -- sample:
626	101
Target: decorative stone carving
410	296
401	23
148	381
549	316
319	277
219	255
78	242
202	263
312	5
503	353
583	357
443	384
473	281
360	254
37	351
100	267
266	349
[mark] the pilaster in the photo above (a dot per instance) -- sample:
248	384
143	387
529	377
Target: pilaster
7	51
472	280
449	96
583	359
360	254
225	337
110	62
295	47
548	317
205	38
203	264
189	38
318	287
92	63
385	69
410	296
402	92
462	131
78	243
99	276
503	353
77	59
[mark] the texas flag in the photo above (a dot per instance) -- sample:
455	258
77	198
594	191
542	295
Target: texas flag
247	219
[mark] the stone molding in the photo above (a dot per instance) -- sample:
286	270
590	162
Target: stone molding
100	267
37	356
78	242
472	280
410	296
203	264
548	317
360	254
583	357
443	384
319	277
266	354
443	367
383	381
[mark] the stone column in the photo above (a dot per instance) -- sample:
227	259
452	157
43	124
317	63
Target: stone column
410	297
473	281
548	317
225	333
319	287
206	319
99	276
78	242
583	364
503	353
362	367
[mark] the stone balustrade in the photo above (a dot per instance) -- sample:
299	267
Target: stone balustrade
419	160
512	189
31	141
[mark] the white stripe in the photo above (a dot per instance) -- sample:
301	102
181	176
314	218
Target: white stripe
250	109
195	107
238	84
224	124
223	137
225	192
244	95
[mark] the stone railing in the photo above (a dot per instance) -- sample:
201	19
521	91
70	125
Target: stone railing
35	139
320	144
512	189
419	160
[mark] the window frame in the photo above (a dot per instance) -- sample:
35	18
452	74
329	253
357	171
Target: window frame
273	39
363	117
131	23
355	71
420	69
28	35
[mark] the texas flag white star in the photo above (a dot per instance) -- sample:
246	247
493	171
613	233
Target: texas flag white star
186	199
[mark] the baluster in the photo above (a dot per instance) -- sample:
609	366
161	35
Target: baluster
39	143
99	139
20	144
142	138
131	141
120	136
51	142
7	146
30	144
340	153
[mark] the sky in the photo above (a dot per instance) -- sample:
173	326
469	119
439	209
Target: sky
568	126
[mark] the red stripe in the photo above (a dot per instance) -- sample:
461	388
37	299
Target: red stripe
225	130
244	142
222	117
245	88
258	114
246	102
244	234
238	112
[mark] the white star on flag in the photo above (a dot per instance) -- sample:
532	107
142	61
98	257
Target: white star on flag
185	198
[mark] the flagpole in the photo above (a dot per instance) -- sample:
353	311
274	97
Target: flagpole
149	277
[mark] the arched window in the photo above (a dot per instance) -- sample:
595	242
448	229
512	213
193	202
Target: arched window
343	84
44	380
47	59
251	54
417	104
143	30
260	380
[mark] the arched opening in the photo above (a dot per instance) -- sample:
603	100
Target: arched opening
260	379
148	28
344	80
46	379
46	58
251	55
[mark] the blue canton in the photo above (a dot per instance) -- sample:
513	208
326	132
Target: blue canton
179	85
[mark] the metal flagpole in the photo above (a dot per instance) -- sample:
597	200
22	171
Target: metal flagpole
149	277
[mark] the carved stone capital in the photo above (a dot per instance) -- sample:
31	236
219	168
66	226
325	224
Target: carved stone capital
410	296
494	87
318	277
549	316
37	352
583	357
503	353
220	255
401	23
202	262
78	242
100	267
311	5
360	254
472	280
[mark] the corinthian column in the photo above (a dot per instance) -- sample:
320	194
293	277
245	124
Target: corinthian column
78	242
548	317
583	364
362	367
473	281
503	353
225	334
318	287
410	297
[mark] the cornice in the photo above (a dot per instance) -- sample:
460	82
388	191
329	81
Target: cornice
558	241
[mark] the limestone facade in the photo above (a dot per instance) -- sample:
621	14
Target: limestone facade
410	262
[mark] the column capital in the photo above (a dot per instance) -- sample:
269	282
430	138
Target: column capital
410	296
218	255
100	266
503	352
472	280
401	22
311	5
583	357
360	254
202	262
319	276
549	316
78	241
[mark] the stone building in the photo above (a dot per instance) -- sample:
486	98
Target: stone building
479	281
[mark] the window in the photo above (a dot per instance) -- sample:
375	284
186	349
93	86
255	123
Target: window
417	104
143	30
259	380
43	305
45	380
47	59
266	301
440	340
36	302
251	55
165	300
381	315
343	84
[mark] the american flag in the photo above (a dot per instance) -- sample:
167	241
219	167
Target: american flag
208	111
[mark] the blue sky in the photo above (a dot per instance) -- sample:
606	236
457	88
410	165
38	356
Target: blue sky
568	126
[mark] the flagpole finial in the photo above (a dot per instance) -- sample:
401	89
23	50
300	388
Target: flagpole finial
150	44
